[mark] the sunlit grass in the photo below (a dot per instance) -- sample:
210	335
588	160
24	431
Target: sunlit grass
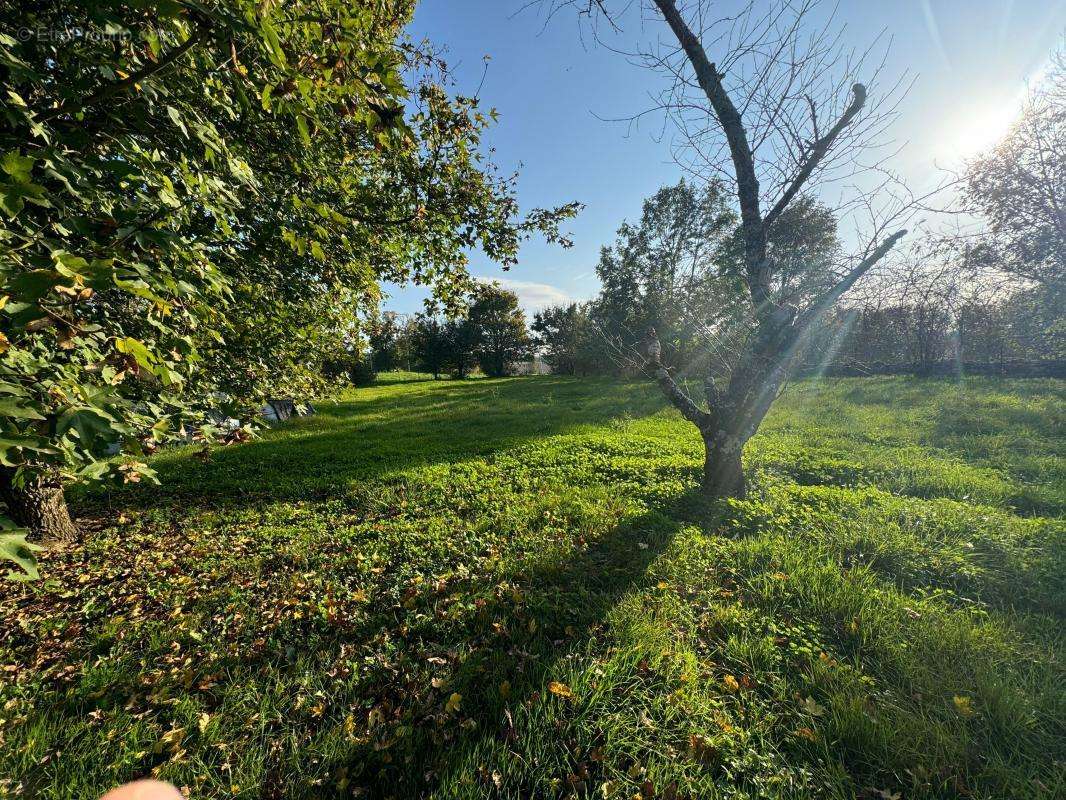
508	588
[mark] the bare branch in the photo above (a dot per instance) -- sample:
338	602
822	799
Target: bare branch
739	148
674	393
818	151
827	300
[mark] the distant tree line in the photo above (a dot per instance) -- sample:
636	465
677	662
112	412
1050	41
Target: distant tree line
950	302
940	307
1019	331
491	336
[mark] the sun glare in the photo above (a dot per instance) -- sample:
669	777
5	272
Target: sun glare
974	129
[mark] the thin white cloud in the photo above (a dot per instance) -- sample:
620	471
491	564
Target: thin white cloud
532	296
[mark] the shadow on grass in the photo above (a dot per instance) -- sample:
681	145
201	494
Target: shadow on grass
505	638
512	643
377	434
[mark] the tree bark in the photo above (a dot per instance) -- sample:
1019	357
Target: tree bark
39	506
723	473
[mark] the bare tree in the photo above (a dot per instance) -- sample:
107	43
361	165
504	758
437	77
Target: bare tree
779	114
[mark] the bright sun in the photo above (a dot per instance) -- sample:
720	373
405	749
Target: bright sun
974	129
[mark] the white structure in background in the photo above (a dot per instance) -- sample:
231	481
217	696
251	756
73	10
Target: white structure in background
537	366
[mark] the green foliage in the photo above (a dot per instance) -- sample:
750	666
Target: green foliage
430	344
15	548
803	246
680	271
462	337
390	342
199	200
123	197
508	588
501	325
1017	186
490	333
567	339
674	271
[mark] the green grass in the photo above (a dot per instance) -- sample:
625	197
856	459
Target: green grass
509	589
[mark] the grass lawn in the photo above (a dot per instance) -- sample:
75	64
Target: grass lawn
508	589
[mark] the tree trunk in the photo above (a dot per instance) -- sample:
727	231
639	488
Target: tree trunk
39	506
723	472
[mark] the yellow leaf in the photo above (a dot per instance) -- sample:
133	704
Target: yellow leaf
731	683
963	705
205	718
505	689
723	722
453	703
560	689
171	740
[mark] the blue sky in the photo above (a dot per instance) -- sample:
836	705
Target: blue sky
549	84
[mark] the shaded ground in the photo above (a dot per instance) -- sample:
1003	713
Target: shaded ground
506	588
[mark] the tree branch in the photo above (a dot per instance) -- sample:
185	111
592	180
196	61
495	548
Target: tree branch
827	300
674	393
739	149
818	151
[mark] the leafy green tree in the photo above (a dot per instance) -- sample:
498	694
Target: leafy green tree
201	198
570	341
430	344
671	272
1019	188
119	194
463	338
804	245
501	325
384	336
558	332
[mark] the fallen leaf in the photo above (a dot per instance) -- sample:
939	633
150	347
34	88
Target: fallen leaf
963	705
453	703
560	689
701	748
731	683
171	740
